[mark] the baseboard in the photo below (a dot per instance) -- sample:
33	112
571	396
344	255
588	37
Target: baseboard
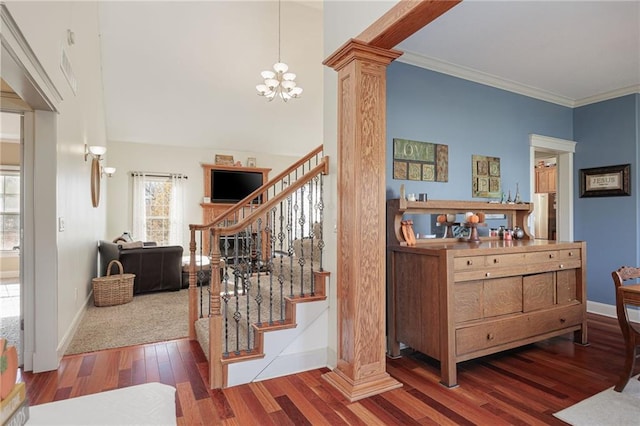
294	363
71	331
610	311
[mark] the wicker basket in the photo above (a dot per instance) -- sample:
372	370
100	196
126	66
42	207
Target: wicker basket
113	289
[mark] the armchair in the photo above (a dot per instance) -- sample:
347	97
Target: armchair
157	268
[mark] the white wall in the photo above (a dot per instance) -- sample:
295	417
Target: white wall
342	21
127	157
80	119
61	176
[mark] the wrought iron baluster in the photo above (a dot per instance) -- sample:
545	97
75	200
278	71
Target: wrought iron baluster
302	222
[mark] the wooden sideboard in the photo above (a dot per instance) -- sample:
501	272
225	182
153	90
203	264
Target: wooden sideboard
454	300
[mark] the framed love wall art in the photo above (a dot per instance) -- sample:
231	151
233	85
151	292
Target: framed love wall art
424	161
610	181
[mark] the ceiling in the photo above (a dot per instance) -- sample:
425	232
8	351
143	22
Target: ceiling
184	73
567	52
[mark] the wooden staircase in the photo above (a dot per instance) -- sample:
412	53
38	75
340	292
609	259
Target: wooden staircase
248	321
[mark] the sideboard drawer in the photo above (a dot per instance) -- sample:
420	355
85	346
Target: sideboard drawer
541	256
500	260
494	333
569	254
468	262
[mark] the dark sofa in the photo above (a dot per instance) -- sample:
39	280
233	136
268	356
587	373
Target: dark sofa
157	268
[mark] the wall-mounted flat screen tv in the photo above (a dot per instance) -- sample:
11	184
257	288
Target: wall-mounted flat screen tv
231	186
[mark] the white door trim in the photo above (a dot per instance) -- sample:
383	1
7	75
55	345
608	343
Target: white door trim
564	150
26	76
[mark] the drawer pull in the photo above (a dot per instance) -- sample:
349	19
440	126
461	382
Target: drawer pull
570	253
469	262
561	266
496	260
490	336
487	274
563	320
551	255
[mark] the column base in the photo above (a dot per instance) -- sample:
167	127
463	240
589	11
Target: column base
363	389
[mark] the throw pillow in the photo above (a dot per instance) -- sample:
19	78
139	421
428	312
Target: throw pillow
131	245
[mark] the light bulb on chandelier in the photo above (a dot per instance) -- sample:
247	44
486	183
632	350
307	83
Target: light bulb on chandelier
279	82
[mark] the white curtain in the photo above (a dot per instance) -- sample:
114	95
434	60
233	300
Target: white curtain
139	212
176	215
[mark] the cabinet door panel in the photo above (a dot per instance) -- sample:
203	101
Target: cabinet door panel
538	291
502	296
566	286
468	301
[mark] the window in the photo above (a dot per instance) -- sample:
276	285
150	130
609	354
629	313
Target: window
158	208
9	210
157	197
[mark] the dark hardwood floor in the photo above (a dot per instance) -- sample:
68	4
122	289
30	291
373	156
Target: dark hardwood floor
520	387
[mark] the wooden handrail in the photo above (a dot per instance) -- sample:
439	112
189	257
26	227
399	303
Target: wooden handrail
322	167
273	181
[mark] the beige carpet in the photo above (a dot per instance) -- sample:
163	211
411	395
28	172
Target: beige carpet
148	318
606	408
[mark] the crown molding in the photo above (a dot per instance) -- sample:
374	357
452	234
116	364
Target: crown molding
487	79
630	90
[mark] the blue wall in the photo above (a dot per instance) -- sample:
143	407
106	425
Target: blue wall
607	134
472	118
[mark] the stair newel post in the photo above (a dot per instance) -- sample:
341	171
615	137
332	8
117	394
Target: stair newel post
215	317
193	294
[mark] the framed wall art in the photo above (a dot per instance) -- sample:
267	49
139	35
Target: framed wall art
224	160
423	161
609	181
485	177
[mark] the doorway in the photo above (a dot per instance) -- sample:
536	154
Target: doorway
544	200
11	312
562	150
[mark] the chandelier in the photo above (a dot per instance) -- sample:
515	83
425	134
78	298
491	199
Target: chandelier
279	82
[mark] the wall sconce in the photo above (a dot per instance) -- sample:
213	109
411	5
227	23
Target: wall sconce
108	171
97	171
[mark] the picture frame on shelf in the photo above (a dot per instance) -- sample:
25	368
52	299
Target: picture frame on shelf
609	181
224	160
251	162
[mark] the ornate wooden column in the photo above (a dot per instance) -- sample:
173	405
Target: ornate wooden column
361	369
